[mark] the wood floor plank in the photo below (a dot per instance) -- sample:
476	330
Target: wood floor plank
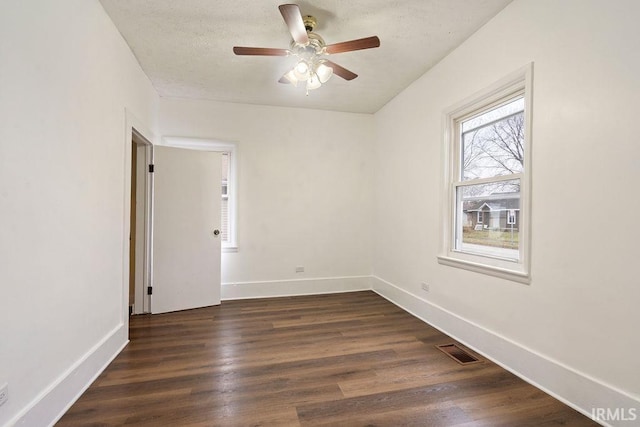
351	359
444	414
383	402
398	379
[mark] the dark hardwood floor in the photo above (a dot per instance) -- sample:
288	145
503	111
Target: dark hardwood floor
349	359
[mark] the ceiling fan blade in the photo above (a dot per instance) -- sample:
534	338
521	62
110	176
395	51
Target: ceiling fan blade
340	71
284	79
264	51
293	19
365	43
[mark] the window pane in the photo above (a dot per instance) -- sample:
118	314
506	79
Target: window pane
225	198
225	166
493	142
225	220
488	219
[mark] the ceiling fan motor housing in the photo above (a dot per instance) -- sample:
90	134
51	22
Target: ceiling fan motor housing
309	23
315	46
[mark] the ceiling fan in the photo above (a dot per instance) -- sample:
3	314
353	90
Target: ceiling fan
309	48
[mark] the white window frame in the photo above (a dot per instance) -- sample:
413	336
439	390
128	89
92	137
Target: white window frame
519	82
232	183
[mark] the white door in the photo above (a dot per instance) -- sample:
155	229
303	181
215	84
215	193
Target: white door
186	220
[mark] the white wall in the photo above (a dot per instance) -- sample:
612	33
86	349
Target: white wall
305	180
580	312
66	77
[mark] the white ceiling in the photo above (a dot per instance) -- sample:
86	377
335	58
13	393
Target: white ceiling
185	46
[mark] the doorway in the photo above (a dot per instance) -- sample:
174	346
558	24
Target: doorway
139	224
153	230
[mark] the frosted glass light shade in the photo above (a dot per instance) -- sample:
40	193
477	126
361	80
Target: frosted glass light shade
313	82
291	77
324	73
301	70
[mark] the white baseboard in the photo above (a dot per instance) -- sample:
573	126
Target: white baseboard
294	287
51	404
575	389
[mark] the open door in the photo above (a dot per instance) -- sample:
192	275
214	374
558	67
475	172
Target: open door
186	224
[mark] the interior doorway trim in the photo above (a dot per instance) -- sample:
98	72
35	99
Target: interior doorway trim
136	130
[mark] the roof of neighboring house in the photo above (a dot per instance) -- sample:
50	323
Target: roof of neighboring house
491	205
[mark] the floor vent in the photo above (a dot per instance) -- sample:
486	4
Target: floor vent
458	354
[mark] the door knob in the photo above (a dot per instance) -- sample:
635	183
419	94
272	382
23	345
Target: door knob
216	232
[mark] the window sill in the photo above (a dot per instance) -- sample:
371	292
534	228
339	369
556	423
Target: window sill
503	273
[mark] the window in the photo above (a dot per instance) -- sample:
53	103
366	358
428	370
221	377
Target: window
224	232
229	193
487	181
228	208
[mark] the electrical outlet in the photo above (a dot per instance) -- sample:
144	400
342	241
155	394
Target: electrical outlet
4	393
299	269
425	286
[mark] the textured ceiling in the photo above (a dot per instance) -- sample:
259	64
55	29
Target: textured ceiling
185	46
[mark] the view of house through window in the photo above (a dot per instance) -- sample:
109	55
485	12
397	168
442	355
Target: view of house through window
488	189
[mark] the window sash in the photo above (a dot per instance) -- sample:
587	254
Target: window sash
458	213
518	83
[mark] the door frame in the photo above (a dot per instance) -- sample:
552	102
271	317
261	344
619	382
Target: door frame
136	129
142	300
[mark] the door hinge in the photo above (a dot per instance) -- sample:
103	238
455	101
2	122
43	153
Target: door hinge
149	290
151	168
